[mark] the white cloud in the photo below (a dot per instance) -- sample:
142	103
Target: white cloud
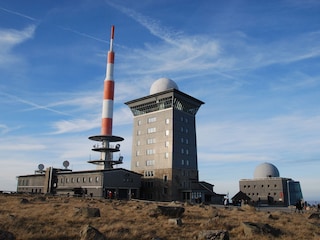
74	125
9	38
264	140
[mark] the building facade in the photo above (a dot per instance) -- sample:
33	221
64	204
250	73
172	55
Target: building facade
267	187
111	183
164	147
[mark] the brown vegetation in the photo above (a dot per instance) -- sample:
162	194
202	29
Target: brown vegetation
57	218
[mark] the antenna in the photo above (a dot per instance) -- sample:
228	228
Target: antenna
66	164
40	167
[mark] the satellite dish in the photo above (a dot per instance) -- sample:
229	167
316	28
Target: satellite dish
41	167
66	164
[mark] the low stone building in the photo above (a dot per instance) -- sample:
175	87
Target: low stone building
107	183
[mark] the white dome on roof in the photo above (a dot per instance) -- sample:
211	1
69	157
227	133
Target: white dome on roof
162	84
266	170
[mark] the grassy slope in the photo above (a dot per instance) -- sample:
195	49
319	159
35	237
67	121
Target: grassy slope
55	218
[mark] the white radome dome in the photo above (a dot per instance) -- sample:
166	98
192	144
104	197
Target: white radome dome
162	84
266	170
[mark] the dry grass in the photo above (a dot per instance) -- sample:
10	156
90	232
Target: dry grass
56	218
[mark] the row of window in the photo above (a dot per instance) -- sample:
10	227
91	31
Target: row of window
23	182
154	119
152	130
33	190
79	179
153	151
152	163
269	194
153	141
262	186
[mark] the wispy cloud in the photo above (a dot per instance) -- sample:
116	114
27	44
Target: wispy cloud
151	24
269	139
18	14
9	38
29	103
82	34
4	129
74	125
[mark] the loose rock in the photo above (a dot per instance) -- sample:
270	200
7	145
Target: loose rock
174	212
250	229
90	233
5	235
213	235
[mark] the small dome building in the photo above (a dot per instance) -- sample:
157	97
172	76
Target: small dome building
267	187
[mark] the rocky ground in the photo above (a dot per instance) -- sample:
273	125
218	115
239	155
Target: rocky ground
46	217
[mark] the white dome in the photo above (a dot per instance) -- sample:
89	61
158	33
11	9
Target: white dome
162	84
266	170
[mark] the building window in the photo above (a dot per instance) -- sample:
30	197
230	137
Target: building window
182	140
148	173
78	179
67	180
167	144
97	179
187	141
187	151
181	129
138	143
137	153
181	118
165	178
187	162
167	121
152	119
186	120
166	155
139	132
167	132
187	130
137	164
151	130
182	151
182	162
150	151
149	162
84	179
139	122
90	179
165	190
151	140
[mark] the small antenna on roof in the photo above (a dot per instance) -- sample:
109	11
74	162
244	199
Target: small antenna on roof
66	164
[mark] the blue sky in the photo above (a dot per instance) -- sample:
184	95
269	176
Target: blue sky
255	64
